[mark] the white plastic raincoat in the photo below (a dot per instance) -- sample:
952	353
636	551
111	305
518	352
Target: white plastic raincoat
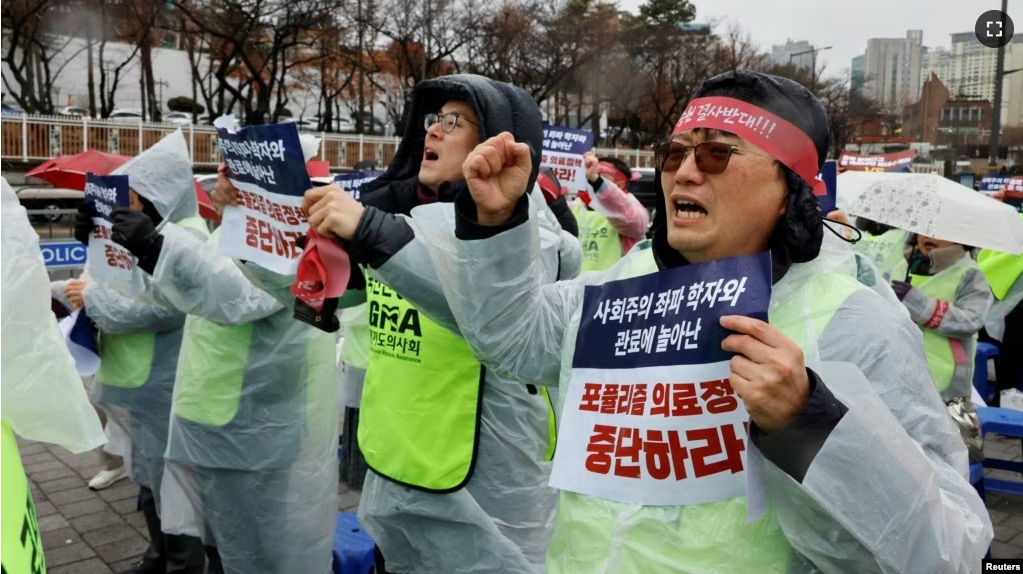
252	453
140	339
41	396
887	491
501	521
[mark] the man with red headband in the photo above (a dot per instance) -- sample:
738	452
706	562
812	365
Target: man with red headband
611	220
860	468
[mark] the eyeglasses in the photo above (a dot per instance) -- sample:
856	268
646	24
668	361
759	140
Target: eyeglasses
447	121
711	157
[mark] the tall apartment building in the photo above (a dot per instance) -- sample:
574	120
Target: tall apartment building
967	68
799	54
891	70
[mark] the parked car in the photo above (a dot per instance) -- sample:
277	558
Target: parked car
48	199
127	115
11	110
177	118
302	125
342	124
74	112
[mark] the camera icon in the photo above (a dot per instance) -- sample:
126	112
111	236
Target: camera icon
994	29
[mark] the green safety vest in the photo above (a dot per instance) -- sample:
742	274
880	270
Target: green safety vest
601	245
712	537
22	547
1002	270
421	404
126	358
211	370
941	348
885	250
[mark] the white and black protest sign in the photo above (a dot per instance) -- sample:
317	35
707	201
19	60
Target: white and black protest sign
650	417
563	150
108	261
267	166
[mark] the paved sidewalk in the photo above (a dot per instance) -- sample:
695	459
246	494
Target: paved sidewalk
93	532
102	532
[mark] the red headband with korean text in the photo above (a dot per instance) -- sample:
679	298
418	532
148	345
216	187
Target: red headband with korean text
776	136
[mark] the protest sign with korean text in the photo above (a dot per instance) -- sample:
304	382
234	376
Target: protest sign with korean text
108	261
352	182
267	166
563	150
991	184
898	161
649	415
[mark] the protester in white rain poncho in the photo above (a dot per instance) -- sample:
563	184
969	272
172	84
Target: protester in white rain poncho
41	394
864	472
457	455
252	450
139	342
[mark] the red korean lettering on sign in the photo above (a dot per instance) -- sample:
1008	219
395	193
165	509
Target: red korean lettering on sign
100	232
260	234
117	258
662	454
666	399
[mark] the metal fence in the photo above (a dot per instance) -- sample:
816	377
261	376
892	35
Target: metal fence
32	139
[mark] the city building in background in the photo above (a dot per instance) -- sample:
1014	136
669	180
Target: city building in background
891	70
798	54
967	68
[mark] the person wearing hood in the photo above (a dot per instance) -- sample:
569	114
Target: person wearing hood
458	456
830	437
139	343
611	220
251	459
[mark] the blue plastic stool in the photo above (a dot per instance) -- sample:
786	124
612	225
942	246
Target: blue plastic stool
353	548
985	387
1006	422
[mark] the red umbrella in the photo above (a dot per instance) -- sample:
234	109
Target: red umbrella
68	172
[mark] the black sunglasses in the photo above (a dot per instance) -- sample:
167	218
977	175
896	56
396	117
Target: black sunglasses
711	157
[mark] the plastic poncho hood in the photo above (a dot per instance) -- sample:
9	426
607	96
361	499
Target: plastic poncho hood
163	175
799	233
499	107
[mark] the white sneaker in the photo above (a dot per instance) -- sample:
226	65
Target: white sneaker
105	478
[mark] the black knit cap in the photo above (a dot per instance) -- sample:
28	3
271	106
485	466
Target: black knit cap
800	231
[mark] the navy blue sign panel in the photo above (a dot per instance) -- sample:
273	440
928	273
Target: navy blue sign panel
670	317
106	193
268	156
994	183
353	182
829	175
567	140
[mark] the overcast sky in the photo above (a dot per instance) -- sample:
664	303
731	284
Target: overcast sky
846	25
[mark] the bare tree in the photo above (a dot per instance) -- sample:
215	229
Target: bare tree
39	47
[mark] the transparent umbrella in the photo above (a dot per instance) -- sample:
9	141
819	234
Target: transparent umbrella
936	207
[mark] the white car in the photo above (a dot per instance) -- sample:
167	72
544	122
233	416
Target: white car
75	112
177	118
127	115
